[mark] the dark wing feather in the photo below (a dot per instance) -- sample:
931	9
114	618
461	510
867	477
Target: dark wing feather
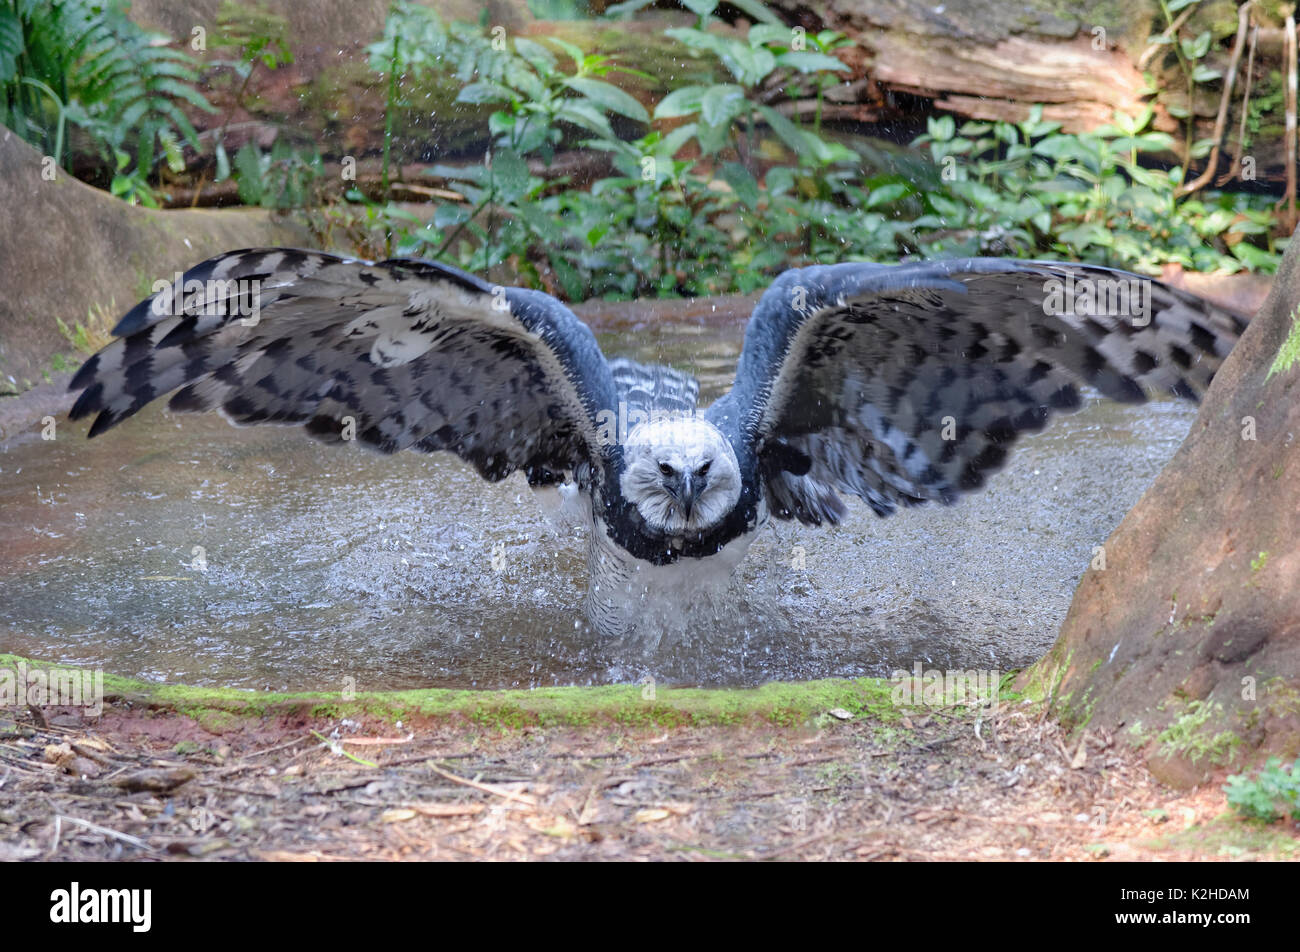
902	384
402	353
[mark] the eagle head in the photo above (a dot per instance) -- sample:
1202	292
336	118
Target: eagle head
681	474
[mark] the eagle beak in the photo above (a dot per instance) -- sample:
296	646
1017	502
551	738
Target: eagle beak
686	494
689	492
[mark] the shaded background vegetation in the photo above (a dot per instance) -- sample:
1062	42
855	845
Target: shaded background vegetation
631	151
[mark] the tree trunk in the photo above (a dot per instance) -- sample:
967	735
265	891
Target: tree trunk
1187	641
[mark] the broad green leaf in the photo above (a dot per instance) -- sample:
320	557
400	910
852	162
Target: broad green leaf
884	194
573	52
761	34
680	102
1195	49
223	163
541	59
484	92
741	182
585	116
620	10
701	8
720	104
510	176
941	128
1255	259
806	62
447	216
786	130
609	97
672	143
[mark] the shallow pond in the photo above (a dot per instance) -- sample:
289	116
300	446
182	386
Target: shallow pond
178	548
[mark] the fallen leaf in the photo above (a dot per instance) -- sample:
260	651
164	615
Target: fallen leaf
58	754
840	714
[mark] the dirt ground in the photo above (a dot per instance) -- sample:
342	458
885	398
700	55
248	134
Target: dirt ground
152	785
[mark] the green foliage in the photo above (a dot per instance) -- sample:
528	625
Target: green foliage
771	55
283	178
659	225
1188	51
254	34
256	37
1272	795
1261	104
86	64
723	218
559	9
1030	189
537	99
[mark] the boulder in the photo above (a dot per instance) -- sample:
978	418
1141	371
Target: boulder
73	253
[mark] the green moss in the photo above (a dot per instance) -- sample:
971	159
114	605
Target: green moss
1289	352
781	704
1189	736
1043	680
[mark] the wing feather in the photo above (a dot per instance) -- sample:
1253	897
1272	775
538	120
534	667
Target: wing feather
400	354
902	384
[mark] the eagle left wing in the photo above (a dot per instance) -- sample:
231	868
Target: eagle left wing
902	384
396	354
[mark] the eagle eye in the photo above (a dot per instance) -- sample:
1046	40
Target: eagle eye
666	469
704	470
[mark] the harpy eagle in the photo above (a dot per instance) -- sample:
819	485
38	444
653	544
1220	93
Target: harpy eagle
898	384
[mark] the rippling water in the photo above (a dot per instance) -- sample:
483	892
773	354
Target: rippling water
178	548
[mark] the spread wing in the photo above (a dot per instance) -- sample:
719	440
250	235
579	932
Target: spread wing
398	354
902	384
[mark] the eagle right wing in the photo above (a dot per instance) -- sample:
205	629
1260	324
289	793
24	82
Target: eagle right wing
397	354
902	384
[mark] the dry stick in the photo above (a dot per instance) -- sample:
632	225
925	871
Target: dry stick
1221	121
1170	33
105	831
1235	171
485	787
1290	39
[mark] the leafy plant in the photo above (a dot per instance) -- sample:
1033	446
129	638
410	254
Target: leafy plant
539	104
1272	795
1036	190
256	37
87	64
766	58
282	178
1188	51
